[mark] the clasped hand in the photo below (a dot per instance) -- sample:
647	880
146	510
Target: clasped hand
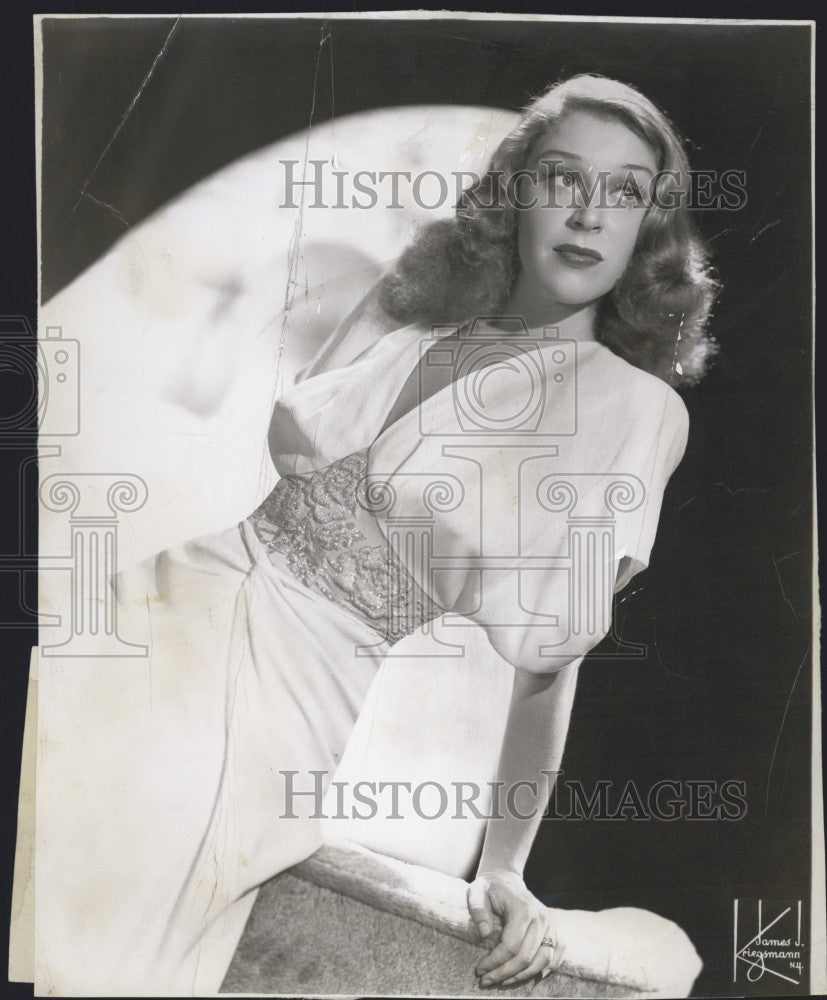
516	928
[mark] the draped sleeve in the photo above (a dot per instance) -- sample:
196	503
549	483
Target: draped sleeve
525	535
665	450
357	333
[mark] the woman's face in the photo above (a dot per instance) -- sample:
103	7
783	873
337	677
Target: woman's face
588	202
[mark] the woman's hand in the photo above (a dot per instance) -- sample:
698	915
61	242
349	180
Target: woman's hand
515	926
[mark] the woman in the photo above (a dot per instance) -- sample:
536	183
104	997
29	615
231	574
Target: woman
592	168
264	638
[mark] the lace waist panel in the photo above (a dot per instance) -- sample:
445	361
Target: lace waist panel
319	527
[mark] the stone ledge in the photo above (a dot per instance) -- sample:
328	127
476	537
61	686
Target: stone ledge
350	922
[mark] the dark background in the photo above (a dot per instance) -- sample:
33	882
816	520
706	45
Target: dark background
725	608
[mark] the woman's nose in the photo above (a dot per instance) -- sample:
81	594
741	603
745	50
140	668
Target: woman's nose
585	217
585	214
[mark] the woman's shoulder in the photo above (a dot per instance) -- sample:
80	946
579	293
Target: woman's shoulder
355	336
610	379
605	412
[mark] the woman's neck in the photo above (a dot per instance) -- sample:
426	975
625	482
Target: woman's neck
576	322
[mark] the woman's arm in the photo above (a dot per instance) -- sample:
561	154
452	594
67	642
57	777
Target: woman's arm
535	737
533	745
350	329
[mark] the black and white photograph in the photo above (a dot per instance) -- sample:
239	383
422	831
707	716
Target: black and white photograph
413	591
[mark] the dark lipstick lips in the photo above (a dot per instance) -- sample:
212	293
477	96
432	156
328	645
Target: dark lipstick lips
579	251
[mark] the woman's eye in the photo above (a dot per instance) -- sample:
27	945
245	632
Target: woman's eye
554	173
630	192
568	178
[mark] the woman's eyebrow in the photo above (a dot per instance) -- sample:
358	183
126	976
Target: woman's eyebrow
563	154
637	166
559	152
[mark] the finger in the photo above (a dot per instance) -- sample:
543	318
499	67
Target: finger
539	965
525	955
480	908
519	935
509	944
548	958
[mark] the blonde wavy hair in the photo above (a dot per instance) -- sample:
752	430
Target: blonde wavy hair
656	315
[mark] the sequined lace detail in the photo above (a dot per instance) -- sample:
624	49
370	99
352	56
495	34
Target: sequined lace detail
316	522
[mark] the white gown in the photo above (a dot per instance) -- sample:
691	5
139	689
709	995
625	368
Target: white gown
166	807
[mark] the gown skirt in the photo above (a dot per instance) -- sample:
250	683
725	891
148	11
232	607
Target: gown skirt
174	806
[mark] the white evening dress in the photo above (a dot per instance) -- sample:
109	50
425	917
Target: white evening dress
264	638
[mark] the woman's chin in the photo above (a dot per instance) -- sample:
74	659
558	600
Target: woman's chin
557	303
